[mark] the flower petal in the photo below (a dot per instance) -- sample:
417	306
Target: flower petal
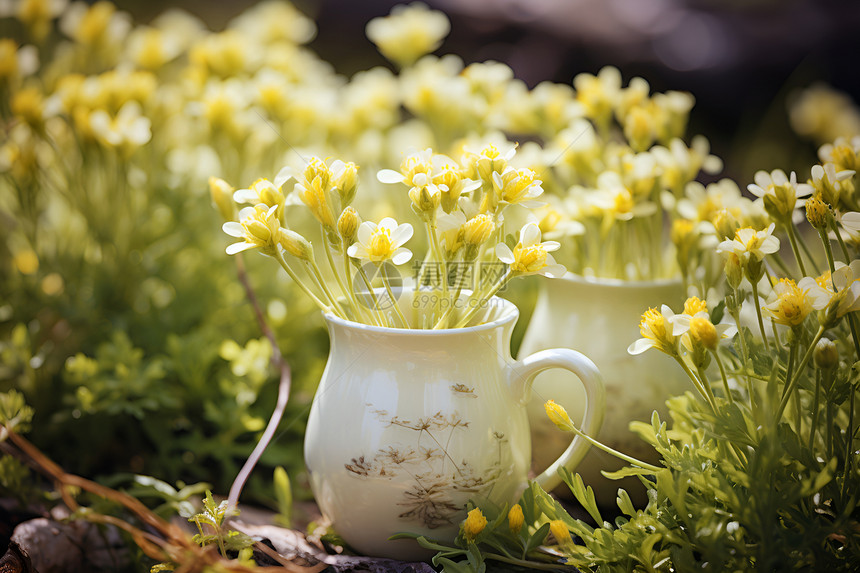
401	256
640	346
504	253
401	234
530	235
389	176
239	247
233	229
284	175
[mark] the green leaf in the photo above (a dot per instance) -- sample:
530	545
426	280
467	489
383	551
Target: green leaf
626	472
537	538
583	494
624	503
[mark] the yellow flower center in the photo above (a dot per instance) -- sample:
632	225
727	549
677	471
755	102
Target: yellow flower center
379	246
478	229
653	325
694	304
529	259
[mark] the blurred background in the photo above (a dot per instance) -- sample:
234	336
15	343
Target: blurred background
744	60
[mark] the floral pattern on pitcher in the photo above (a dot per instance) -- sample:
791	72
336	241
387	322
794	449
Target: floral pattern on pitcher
435	474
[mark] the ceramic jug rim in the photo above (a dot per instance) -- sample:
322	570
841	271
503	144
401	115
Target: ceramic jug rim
619	283
508	313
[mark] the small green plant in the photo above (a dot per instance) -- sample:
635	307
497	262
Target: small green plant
212	530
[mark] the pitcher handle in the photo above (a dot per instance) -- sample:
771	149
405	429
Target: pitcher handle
523	373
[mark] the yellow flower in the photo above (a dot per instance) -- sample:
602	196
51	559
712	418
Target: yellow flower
599	94
382	242
474	524
259	227
296	245
559	530
831	184
781	195
530	256
515	518
517	187
695	328
558	416
261	191
408	33
656	329
843	153
792	302
750	244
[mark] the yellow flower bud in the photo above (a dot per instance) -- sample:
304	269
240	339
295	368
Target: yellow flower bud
347	224
726	224
478	229
734	270
559	530
558	416
222	196
474	524
826	355
515	518
818	212
347	183
296	245
704	332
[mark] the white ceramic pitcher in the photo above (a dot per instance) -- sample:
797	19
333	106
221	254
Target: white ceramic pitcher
408	425
600	317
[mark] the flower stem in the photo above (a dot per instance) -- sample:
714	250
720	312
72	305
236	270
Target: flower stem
793	240
360	308
394	301
758	312
471	312
317	275
383	321
723	376
280	258
696	382
789	390
808	253
836	232
613	452
815	404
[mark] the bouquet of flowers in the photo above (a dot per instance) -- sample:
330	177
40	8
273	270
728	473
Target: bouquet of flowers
460	204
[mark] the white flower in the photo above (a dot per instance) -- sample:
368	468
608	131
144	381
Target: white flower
749	243
701	329
258	227
530	256
382	242
656	330
781	195
129	128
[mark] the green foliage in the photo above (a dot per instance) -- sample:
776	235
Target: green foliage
15	414
211	529
284	497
